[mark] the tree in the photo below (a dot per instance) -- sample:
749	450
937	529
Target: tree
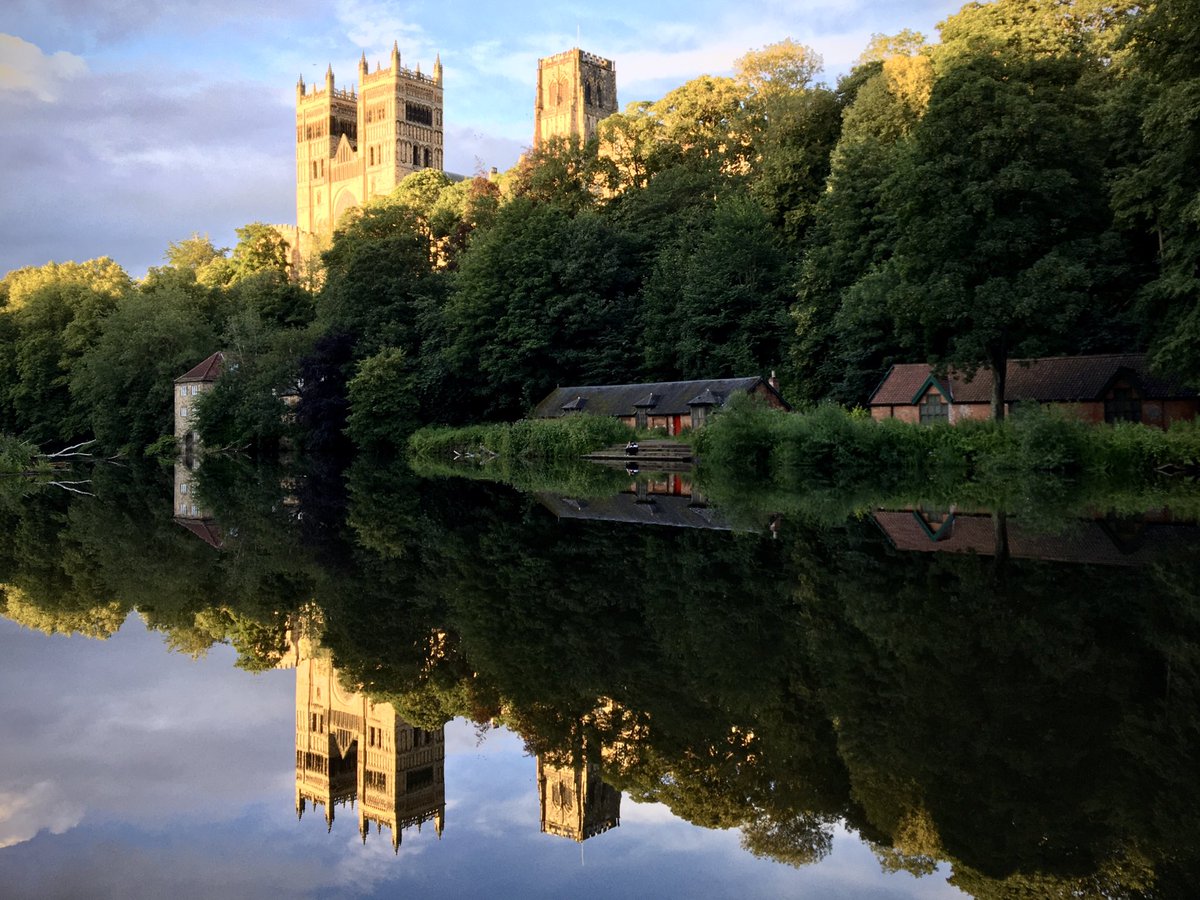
563	172
997	211
840	347
777	71
541	298
193	253
57	314
716	304
383	403
125	379
260	248
1157	193
379	279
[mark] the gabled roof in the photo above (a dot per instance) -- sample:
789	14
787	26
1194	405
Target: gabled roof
659	509
209	370
1051	379
1086	541
662	398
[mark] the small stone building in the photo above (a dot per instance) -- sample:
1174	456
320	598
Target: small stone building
188	387
1108	388
673	406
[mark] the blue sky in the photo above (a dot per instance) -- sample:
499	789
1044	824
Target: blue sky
133	123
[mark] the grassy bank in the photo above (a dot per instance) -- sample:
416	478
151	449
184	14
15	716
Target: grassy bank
749	440
530	440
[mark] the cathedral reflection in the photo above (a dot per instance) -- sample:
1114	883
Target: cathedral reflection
575	801
351	751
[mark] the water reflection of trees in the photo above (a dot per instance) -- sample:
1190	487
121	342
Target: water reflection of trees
1038	730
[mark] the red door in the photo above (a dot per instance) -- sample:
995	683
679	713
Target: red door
678	421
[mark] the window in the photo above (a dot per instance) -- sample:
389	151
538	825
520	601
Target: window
416	155
427	158
183	412
934	408
418	778
1123	406
418	113
183	392
183	488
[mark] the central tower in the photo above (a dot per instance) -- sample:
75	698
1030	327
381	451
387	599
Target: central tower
353	146
575	90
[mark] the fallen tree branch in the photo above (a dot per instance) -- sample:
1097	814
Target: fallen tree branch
65	452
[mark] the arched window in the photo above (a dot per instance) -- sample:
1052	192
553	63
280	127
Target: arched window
587	94
416	155
428	163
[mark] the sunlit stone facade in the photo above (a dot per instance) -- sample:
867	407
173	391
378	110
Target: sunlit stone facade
575	90
353	145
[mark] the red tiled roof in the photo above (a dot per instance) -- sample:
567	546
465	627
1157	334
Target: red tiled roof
1051	379
209	370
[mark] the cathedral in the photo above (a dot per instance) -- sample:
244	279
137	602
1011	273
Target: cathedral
575	90
354	146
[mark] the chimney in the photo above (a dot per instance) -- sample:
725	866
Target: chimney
773	381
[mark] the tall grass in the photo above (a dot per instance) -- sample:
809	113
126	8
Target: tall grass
750	440
18	456
542	440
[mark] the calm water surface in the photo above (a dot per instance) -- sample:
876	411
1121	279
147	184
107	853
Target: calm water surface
215	691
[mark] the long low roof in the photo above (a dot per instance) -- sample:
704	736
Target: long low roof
659	398
1052	379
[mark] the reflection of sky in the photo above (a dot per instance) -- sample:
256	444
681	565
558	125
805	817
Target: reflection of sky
129	771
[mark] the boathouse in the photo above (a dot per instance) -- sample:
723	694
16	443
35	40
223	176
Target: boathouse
673	406
1109	388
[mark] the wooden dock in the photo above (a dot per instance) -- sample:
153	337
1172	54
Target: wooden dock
650	454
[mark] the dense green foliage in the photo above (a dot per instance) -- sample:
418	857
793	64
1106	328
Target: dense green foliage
1024	187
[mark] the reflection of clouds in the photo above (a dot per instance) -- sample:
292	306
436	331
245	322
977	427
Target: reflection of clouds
26	811
463	737
132	733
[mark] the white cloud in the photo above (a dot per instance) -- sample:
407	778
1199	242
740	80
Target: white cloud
25	68
25	812
373	25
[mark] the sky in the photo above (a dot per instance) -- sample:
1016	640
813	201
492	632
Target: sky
130	124
132	771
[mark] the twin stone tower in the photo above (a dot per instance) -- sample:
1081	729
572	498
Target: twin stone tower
352	146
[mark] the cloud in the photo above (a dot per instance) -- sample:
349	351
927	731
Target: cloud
42	805
25	68
103	22
373	25
139	161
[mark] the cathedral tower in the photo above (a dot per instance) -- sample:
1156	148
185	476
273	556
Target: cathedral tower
352	146
575	90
